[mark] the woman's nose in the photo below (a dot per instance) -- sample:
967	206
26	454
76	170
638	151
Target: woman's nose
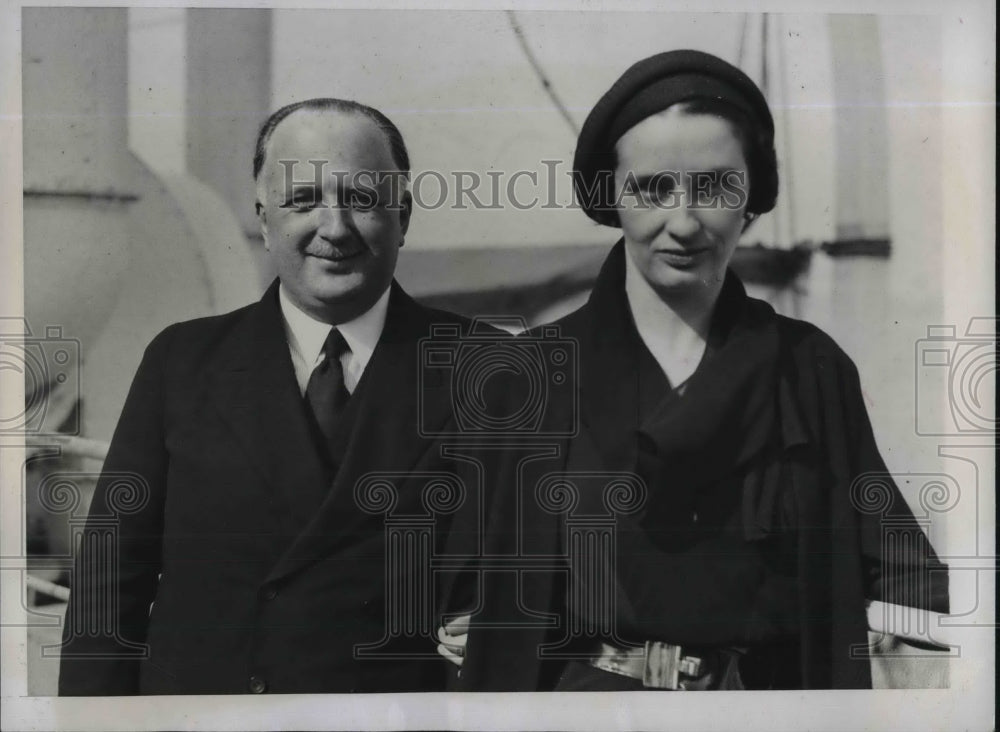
682	221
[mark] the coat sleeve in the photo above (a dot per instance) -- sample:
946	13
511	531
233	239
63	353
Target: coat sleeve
118	558
901	566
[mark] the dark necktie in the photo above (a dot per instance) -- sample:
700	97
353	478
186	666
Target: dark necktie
326	392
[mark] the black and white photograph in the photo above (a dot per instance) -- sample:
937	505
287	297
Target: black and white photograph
503	366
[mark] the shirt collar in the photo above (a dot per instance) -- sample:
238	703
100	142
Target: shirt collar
306	335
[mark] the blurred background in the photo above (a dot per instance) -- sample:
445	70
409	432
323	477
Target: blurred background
139	125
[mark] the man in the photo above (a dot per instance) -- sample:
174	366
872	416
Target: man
246	563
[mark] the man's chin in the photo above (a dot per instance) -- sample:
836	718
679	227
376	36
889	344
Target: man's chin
336	265
344	297
332	280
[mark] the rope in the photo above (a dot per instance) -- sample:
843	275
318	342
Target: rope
763	53
783	84
743	40
540	73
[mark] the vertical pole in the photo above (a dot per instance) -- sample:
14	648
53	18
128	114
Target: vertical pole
228	89
861	138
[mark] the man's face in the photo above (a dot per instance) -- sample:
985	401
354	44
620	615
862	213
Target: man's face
332	225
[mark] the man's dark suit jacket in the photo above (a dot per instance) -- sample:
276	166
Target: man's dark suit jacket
261	575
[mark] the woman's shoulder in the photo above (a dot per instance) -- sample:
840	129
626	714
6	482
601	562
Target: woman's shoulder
808	343
817	373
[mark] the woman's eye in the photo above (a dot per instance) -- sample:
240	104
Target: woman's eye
664	189
659	189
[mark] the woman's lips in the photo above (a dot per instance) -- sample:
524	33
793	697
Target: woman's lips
682	258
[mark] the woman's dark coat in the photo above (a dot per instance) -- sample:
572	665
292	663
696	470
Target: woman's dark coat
774	418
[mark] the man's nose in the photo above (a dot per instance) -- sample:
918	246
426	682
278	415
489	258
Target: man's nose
334	221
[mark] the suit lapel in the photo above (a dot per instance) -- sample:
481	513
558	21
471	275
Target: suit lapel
252	384
386	434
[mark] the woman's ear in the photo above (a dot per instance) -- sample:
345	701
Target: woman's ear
748	219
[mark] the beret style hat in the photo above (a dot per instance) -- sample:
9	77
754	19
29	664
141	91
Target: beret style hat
649	87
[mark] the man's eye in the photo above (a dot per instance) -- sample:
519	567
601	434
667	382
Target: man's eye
364	200
303	201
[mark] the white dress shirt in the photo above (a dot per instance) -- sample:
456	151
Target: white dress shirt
306	336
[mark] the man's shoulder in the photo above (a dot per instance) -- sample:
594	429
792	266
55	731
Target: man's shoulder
432	318
199	336
214	324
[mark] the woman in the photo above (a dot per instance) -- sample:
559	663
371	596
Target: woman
729	446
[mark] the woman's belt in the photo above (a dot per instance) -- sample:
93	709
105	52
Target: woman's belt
664	666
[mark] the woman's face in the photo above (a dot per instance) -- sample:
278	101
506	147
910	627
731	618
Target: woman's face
681	185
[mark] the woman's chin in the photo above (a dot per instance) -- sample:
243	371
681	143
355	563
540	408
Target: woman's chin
681	280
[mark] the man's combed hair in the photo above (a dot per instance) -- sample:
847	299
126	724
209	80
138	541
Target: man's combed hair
329	104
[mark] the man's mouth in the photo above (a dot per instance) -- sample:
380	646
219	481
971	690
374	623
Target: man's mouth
335	255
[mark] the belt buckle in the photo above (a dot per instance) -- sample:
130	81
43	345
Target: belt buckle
664	666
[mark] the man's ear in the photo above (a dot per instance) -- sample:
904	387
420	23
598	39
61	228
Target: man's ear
405	210
262	220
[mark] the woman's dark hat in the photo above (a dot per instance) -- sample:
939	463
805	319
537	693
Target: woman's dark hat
649	87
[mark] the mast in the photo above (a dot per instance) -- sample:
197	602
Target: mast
861	138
